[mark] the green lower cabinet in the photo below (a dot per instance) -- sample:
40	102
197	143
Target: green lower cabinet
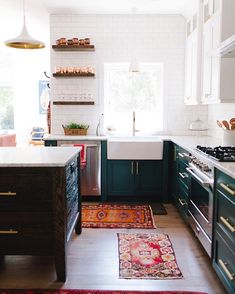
139	179
181	201
148	177
120	177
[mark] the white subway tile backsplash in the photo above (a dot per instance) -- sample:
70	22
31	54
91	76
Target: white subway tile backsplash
151	38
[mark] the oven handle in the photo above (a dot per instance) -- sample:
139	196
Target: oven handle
204	183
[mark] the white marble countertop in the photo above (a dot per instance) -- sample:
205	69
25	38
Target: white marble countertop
187	142
36	157
75	138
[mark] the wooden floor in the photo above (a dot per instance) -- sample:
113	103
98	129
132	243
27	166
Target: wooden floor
93	263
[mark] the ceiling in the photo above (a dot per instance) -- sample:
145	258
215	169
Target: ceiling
184	7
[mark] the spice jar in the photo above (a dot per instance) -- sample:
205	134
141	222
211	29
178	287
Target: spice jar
81	42
87	41
70	42
75	41
63	41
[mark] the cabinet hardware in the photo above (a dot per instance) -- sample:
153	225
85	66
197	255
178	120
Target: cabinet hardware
182	202
198	230
137	168
183	175
181	155
8	232
132	168
227	224
226	187
72	167
204	183
174	154
8	193
227	272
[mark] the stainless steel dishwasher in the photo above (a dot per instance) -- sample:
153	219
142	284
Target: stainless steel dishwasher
91	171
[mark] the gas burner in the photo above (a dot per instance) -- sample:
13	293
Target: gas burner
220	153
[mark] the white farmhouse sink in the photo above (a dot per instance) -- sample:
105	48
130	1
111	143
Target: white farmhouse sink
135	148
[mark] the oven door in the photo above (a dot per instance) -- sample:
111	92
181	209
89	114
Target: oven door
201	206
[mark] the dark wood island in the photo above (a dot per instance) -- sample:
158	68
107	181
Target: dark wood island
40	203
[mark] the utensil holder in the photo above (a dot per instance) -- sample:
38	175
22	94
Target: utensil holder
228	137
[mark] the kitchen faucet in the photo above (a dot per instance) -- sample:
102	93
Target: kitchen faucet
133	125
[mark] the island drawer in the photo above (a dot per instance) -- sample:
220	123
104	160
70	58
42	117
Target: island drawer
25	231
18	189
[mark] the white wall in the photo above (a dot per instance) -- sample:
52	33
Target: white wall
28	65
150	38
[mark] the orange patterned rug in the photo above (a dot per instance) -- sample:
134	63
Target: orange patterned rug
147	256
117	216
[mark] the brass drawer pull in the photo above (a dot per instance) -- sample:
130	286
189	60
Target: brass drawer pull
9	232
182	202
183	175
227	224
132	167
226	187
137	168
8	193
227	272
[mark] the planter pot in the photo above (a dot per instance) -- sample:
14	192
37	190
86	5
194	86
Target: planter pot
75	132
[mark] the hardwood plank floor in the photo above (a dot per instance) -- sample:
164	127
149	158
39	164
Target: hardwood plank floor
93	262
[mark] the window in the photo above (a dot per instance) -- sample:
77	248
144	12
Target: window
6	92
141	92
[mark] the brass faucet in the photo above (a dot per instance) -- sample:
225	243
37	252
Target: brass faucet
133	125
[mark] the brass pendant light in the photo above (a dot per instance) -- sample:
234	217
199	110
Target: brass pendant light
24	40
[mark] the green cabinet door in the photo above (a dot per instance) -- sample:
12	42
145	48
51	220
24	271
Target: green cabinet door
140	179
120	177
148	178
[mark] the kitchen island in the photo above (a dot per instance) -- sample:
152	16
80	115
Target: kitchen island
40	203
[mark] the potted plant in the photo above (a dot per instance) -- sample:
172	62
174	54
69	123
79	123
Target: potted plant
74	129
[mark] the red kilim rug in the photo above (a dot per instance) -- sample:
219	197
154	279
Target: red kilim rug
75	291
117	216
147	256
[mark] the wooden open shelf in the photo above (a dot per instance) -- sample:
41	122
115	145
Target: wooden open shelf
73	102
73	47
76	75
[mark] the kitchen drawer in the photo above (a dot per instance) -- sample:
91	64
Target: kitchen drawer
25	232
182	203
225	215
25	190
183	176
224	262
226	185
182	155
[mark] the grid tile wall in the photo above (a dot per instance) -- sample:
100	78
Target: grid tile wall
150	38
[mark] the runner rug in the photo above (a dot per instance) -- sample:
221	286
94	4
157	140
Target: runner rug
147	256
117	216
76	291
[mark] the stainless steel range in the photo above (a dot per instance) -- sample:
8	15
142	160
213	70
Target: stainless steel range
201	178
220	153
201	174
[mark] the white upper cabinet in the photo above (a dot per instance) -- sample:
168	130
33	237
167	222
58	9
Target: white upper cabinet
193	60
217	74
208	77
